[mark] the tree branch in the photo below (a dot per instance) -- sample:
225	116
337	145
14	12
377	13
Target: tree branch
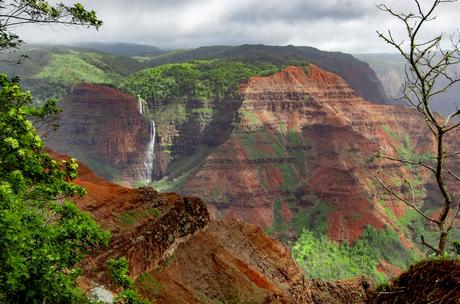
419	163
428	245
402	199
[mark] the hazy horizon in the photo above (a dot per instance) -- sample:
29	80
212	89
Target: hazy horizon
332	25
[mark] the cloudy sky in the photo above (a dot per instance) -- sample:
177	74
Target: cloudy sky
339	25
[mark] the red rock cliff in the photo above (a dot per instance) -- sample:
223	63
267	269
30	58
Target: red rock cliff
304	139
177	255
102	127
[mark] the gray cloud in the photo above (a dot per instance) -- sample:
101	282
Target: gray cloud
298	10
345	25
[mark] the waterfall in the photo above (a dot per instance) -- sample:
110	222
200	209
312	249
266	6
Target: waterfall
141	106
149	153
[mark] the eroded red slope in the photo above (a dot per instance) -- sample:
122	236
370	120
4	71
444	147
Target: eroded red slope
303	138
177	255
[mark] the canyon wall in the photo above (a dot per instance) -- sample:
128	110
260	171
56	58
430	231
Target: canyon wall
292	151
177	255
302	155
102	127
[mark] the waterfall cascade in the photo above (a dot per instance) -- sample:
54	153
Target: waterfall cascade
149	154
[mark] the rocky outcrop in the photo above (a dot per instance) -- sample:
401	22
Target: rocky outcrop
177	255
237	263
146	226
102	127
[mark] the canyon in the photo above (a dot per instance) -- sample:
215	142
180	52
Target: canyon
294	150
287	144
302	141
178	255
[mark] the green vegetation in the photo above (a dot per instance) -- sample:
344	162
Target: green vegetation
313	219
119	270
131	217
294	138
43	234
71	69
418	227
405	148
185	164
49	72
321	258
251	117
199	79
279	227
289	175
169	184
149	286
261	144
171	112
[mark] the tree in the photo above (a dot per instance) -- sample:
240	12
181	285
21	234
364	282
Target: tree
43	235
14	13
119	270
428	73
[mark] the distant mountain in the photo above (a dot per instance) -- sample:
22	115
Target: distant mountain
357	73
51	70
390	70
123	49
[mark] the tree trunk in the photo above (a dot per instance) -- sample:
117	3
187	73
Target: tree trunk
442	242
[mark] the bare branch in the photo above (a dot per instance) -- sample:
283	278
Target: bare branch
419	163
457	178
405	201
424	243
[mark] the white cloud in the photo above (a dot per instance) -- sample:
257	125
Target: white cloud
343	25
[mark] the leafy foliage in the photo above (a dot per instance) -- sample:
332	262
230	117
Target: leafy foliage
18	12
71	69
321	258
203	79
43	235
119	270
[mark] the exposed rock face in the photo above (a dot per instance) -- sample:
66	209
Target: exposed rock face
188	131
177	255
293	150
146	227
238	263
302	140
103	127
